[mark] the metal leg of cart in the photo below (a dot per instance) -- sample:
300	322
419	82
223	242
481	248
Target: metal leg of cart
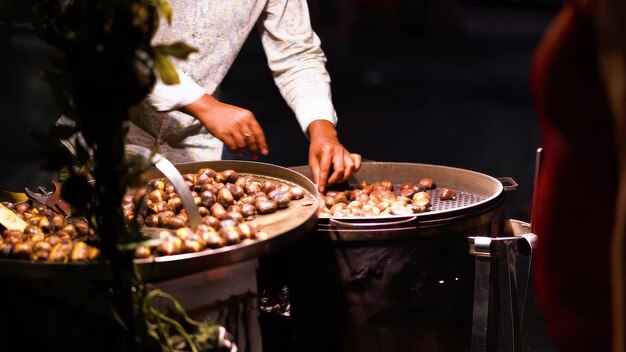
226	295
500	292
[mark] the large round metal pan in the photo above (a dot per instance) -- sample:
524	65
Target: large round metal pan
479	200
283	227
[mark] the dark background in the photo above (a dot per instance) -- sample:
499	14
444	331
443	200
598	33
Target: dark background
424	81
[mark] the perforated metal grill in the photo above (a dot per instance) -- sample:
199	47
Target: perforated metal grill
462	200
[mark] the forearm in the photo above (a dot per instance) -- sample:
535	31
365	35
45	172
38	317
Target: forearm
322	129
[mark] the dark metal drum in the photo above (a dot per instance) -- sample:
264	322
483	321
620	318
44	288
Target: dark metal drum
396	283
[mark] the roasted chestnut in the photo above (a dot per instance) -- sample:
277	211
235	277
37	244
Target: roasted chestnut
212	221
447	194
207	171
218	211
282	199
143	252
227	176
225	197
248	210
427	183
297	193
265	206
230	234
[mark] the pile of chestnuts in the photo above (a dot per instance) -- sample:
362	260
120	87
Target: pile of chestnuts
48	236
225	200
380	198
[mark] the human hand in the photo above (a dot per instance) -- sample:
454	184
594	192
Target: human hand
326	151
235	126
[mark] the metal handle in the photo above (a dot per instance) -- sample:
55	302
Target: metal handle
174	176
513	289
344	224
508	183
538	164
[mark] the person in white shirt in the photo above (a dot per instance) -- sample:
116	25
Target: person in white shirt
188	123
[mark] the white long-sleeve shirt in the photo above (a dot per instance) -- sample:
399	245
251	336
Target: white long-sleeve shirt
218	29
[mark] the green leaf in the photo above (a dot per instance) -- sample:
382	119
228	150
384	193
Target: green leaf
179	50
166	10
164	67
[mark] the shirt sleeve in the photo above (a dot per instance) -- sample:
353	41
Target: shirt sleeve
297	61
166	97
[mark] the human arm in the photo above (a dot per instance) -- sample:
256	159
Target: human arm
298	66
235	126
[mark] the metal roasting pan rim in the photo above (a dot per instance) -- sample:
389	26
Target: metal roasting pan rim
494	194
166	267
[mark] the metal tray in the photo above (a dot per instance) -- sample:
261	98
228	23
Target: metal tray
479	199
283	228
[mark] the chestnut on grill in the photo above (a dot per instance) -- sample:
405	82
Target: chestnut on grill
407	192
230	234
191	178
169	245
209	236
211	187
174	222
236	216
340	197
211	221
60	252
329	201
143	252
22	250
242	181
152	220
427	183
22	207
82	228
447	194
282	199
226	176
41	250
58	222
268	186
265	206
160	206
296	193
248	210
164	216
225	197
362	184
80	252
218	211
157	195
247	231
207	171
157	184
201	179
424	202
207	198
175	204
204	211
253	188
